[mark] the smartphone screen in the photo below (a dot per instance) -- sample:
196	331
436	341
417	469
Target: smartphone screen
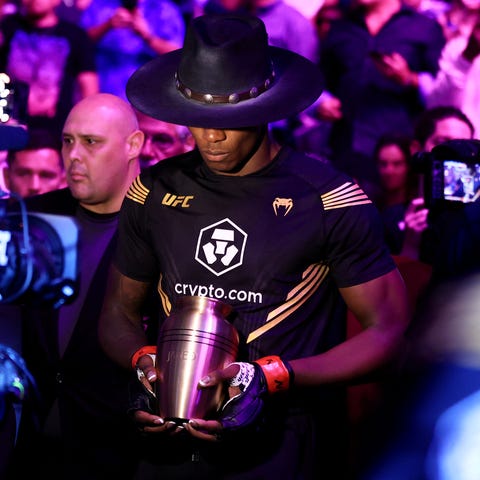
461	181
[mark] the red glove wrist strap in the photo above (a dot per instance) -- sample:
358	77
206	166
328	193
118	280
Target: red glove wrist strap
278	374
147	350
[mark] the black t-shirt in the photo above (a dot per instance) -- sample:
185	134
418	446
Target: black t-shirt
276	245
48	60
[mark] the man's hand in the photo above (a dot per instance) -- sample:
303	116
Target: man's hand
396	68
329	109
140	25
143	400
122	18
146	364
250	384
210	430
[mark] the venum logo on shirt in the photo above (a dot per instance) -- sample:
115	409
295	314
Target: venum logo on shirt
220	246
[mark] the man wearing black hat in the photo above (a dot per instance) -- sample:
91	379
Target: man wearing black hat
284	239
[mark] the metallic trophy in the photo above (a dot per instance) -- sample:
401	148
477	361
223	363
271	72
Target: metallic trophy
195	339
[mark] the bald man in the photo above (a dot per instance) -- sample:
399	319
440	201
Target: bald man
85	432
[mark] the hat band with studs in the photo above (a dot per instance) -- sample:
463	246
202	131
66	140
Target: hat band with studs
232	98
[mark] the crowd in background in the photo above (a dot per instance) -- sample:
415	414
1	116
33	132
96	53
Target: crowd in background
401	77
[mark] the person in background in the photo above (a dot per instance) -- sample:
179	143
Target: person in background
287	27
403	211
84	431
127	34
216	7
312	134
286	239
72	10
440	367
456	82
371	60
439	124
434	416
329	10
37	168
162	140
433	127
398	184
53	57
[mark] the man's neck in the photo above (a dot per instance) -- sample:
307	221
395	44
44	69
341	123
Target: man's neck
378	14
262	154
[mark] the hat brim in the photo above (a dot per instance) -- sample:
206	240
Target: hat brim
298	83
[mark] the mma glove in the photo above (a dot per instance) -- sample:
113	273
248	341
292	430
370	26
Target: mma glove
257	381
141	395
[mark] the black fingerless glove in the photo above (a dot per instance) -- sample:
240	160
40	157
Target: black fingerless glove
139	397
257	381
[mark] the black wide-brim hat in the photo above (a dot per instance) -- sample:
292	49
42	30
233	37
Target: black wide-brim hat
225	76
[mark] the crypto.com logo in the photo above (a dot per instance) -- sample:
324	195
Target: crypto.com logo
220	246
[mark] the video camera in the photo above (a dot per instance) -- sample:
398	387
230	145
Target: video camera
38	251
451	173
38	258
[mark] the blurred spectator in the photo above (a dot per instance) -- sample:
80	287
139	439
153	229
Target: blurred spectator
83	431
189	8
371	60
7	7
312	133
404	215
435	9
71	10
36	169
329	10
224	6
287	27
53	57
455	16
454	230
127	35
398	184
433	419
162	140
438	124
456	83
307	8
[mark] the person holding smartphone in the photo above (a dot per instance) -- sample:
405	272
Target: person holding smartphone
128	33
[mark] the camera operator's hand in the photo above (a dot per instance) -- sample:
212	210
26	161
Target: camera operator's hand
249	387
